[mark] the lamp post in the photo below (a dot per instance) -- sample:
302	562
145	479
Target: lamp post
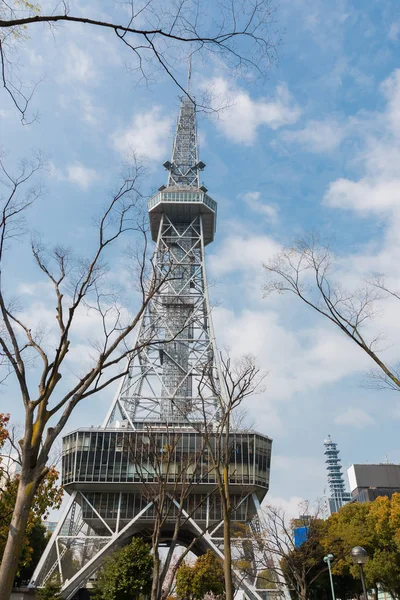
360	557
328	558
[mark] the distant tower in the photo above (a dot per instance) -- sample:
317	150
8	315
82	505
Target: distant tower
338	493
166	386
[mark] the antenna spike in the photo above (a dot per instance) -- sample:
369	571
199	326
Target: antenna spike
184	166
189	74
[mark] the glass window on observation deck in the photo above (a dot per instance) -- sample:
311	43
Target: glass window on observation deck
133	457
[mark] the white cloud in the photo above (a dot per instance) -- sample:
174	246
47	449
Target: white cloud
242	117
391	90
298	360
394	31
242	253
355	417
292	468
82	102
396	411
80	175
36	288
289	506
378	190
365	195
78	65
147	135
89	111
75	173
317	136
35	59
254	202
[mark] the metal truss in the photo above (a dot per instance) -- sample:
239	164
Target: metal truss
174	375
76	551
184	166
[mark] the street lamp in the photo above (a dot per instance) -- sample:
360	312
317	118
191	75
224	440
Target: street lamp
328	558
360	557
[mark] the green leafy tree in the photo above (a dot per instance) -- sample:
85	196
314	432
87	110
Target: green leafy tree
184	582
265	580
48	496
51	590
346	587
126	574
375	526
206	576
37	541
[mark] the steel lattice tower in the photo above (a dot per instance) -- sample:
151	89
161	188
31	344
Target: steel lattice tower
338	493
161	394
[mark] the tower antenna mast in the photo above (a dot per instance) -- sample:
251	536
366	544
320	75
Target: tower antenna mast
189	74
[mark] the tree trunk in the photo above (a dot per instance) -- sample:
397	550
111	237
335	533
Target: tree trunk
226	508
155	584
303	592
9	564
229	592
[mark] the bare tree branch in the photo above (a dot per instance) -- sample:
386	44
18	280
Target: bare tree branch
241	33
305	270
77	284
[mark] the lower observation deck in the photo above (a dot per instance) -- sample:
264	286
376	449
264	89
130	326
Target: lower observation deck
118	470
126	459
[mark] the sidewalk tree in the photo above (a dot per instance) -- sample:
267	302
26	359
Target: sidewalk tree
168	476
51	590
126	574
300	566
47	497
37	542
205	576
239	379
372	525
77	286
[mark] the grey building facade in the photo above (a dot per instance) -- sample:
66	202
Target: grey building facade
367	482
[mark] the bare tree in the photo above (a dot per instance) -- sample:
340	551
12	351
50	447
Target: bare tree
281	560
239	379
78	285
171	476
169	472
307	271
156	33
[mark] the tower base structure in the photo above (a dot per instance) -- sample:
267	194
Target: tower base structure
113	489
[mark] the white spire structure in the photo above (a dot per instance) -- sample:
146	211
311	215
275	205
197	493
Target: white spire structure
170	382
338	493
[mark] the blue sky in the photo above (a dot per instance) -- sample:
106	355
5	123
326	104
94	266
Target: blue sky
315	147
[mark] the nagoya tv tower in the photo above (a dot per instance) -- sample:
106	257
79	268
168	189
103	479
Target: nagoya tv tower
106	470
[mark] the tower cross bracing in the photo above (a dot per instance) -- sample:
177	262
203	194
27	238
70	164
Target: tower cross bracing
173	385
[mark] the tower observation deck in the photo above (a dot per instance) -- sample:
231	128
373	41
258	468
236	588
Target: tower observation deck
171	391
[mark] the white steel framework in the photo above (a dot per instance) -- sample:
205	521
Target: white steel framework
169	384
164	378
